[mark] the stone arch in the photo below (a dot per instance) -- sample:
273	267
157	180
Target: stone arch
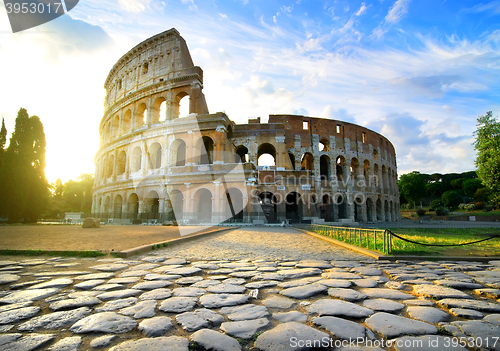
233	204
107	206
117	206
369	210
178	153
293	206
116	126
205	150
341	203
386	210
269	205
266	149
340	167
135	162
307	162
121	162
177	204
380	210
152	203
126	121
326	208
376	180
141	115
154	155
324	145
159	110
203	205
111	164
241	154
182	97
133	205
358	202
324	167
354	168
292	160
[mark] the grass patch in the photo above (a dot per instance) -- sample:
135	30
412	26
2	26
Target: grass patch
434	236
52	253
446	236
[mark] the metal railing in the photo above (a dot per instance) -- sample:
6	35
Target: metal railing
371	239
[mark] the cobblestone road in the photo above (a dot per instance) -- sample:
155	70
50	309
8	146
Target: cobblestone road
254	288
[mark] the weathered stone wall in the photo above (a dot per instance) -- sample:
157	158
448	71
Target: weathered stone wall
204	168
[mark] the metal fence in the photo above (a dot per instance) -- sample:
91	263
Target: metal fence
373	239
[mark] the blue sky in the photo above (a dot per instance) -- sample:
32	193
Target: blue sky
419	72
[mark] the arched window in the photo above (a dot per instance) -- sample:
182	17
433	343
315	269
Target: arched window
122	160
205	147
133	205
159	110
241	154
111	164
307	163
181	105
145	68
324	145
127	121
203	197
141	115
116	126
135	163
324	167
178	153
340	165
155	156
354	168
266	155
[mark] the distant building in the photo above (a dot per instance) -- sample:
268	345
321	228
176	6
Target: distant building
156	163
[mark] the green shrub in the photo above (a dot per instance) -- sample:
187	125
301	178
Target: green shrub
421	212
442	211
479	205
451	199
435	204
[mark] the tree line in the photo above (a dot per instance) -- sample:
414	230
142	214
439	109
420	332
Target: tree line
480	187
25	194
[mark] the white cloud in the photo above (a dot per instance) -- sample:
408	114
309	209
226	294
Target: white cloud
361	10
397	11
134	5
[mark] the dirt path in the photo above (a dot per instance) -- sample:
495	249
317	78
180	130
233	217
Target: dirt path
71	237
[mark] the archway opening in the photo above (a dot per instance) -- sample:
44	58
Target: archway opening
327	208
293	207
177	205
324	145
241	154
178	153
204	207
205	146
133	206
135	164
155	156
266	155
122	160
127	121
117	211
292	160
184	103
307	163
141	116
233	203
340	165
324	167
268	204
341	203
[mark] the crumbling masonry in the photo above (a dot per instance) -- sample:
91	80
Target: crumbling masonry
202	168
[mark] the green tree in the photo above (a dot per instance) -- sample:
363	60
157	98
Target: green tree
487	145
434	189
451	199
3	140
24	188
470	186
412	186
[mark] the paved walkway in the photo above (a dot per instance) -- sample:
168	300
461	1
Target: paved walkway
253	288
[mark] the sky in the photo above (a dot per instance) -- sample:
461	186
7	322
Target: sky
418	72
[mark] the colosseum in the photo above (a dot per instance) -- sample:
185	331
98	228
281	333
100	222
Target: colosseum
163	156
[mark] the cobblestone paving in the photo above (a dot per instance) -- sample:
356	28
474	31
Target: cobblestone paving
254	288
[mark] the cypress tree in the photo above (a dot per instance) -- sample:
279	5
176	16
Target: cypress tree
24	188
3	140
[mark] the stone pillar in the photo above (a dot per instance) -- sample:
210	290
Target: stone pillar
217	157
218	202
281	153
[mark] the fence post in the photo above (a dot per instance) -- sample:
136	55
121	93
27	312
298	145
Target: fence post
367	240
375	239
